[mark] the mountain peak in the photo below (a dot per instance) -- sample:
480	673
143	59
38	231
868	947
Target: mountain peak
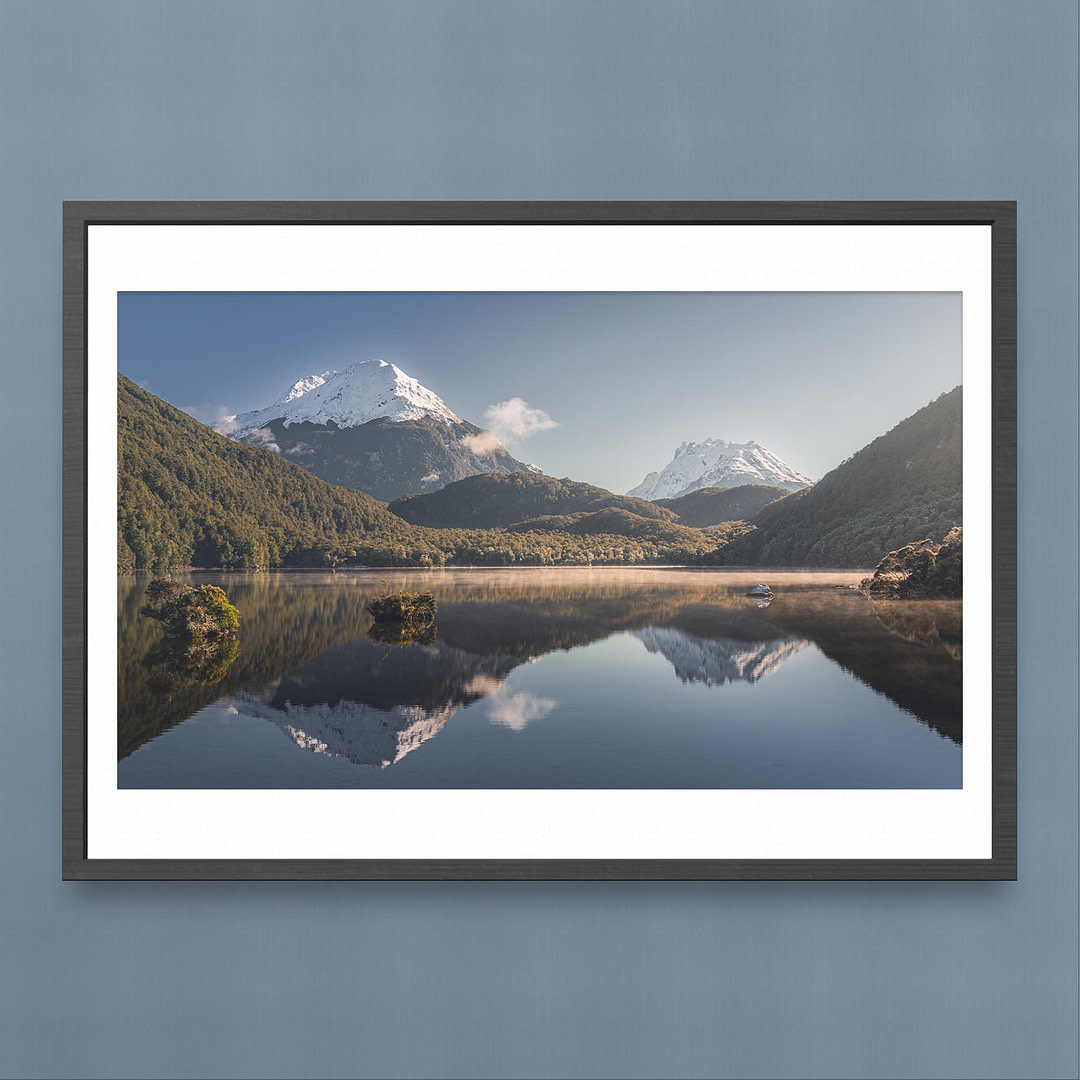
718	463
363	391
302	386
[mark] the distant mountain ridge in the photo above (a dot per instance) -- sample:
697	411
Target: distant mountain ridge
711	506
497	500
373	428
716	463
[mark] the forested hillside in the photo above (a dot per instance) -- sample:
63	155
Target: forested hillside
903	487
495	500
190	497
623	523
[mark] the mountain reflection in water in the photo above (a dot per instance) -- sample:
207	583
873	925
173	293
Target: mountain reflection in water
308	665
715	662
372	705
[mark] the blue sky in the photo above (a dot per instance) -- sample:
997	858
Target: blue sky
627	377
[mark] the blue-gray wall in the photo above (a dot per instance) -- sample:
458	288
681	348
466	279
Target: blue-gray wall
536	100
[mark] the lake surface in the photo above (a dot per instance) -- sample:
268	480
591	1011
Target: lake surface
569	678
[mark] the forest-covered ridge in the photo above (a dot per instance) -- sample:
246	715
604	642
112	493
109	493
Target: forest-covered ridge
497	500
188	496
904	486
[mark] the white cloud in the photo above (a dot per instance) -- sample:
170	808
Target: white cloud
483	443
430	478
517	711
225	425
484	685
511	421
513	710
516	420
263	438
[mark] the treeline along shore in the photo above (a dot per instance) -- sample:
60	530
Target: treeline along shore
191	498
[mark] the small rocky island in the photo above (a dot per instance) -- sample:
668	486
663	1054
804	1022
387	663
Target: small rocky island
415	608
920	570
191	614
403	618
200	641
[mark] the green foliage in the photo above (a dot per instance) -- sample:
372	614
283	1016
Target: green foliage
615	521
191	614
497	500
922	569
712	506
200	626
163	595
406	607
191	497
902	487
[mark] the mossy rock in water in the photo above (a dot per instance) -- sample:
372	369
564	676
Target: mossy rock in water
415	609
188	613
922	569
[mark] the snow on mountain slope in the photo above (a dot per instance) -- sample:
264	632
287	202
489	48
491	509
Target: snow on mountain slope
373	428
718	463
362	392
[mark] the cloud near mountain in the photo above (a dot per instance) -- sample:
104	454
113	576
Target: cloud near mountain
374	428
511	421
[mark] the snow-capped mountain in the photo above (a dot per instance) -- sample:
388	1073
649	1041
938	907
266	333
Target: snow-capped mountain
718	661
721	464
374	428
362	392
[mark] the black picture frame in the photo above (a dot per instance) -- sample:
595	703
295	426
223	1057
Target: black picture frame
999	215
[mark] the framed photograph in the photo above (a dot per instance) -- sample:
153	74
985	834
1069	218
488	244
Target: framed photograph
539	540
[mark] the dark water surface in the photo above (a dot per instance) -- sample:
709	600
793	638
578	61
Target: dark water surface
585	678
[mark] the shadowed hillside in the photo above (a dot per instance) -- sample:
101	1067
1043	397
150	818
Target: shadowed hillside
904	487
711	506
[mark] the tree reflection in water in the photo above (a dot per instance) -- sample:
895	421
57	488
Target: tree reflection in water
308	631
173	664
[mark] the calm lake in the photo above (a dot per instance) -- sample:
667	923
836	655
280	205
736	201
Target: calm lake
570	678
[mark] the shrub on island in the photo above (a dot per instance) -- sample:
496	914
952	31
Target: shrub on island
191	613
922	569
415	609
